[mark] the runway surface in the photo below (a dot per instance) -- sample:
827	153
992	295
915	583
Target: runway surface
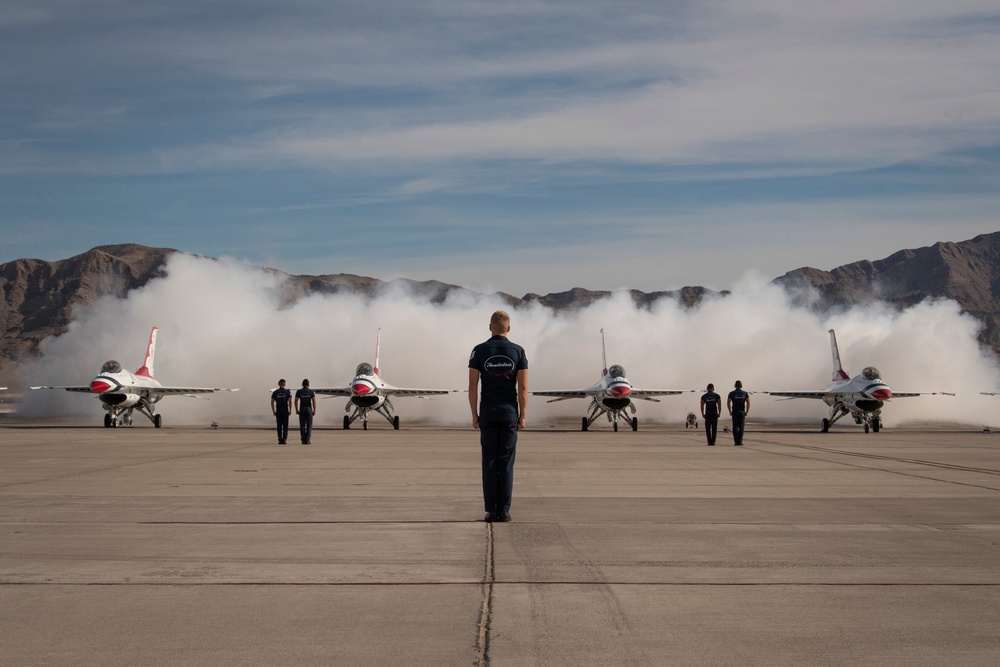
187	545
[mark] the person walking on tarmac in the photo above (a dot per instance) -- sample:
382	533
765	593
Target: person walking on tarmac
305	408
739	407
281	407
502	368
711	404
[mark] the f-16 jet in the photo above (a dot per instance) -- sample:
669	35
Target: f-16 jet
122	392
613	395
861	396
368	392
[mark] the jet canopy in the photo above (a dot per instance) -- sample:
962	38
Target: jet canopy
364	368
111	367
871	373
616	371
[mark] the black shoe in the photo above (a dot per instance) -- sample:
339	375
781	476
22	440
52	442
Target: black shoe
490	517
739	444
504	517
281	442
711	444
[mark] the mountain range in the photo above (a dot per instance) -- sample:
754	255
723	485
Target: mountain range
39	296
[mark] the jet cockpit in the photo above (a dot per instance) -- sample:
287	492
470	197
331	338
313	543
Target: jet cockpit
871	373
364	368
111	367
616	371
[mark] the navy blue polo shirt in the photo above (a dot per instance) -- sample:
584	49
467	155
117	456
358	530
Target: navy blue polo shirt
713	404
305	395
281	396
498	360
739	398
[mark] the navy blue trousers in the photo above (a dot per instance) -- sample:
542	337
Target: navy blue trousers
711	428
739	423
282	420
498	438
306	425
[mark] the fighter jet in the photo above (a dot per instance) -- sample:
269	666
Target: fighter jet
861	396
368	392
611	396
122	392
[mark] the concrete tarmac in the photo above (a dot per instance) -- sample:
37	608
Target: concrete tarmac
193	546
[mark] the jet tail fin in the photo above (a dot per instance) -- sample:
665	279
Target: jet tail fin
838	369
604	354
147	364
378	341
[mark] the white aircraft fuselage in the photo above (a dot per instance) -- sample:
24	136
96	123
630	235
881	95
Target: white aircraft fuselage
122	392
862	396
612	396
368	392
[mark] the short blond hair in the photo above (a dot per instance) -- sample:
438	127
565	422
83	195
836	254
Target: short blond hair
500	322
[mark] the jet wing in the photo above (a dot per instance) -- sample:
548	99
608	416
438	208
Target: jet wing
804	394
911	394
397	391
648	394
80	389
333	391
566	395
185	391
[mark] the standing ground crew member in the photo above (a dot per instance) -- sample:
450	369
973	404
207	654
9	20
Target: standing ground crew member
739	407
711	407
281	406
502	367
305	408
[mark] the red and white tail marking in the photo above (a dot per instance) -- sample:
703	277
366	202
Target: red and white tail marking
838	369
378	341
147	364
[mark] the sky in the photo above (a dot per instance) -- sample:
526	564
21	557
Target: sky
525	146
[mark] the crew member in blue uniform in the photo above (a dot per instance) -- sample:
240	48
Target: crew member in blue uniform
501	366
281	406
739	407
711	407
305	408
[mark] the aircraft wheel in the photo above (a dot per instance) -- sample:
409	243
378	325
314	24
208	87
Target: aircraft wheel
157	421
635	423
584	424
615	426
826	426
866	428
107	420
364	425
876	425
347	422
395	422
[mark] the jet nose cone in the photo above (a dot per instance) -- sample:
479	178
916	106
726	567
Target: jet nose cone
361	388
100	386
620	391
883	394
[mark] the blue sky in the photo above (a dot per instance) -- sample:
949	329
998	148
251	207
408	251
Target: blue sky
515	146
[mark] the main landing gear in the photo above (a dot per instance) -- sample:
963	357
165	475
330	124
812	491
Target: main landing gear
362	413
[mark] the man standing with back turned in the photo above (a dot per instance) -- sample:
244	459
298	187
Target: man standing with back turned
711	404
739	407
281	406
502	368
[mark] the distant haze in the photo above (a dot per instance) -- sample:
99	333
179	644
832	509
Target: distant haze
221	325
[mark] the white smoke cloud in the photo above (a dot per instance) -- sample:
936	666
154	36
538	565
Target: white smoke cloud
222	325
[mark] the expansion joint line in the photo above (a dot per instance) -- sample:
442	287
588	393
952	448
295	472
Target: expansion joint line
489	578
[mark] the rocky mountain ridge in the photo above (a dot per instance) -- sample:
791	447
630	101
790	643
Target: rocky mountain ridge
39	296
